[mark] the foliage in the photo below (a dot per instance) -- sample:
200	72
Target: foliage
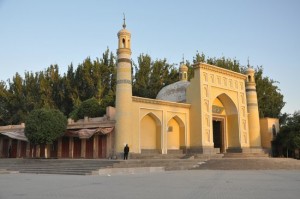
289	136
151	76
270	100
43	126
89	108
50	89
97	79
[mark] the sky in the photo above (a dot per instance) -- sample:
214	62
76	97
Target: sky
35	34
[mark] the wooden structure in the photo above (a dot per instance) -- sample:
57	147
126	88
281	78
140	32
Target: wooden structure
86	138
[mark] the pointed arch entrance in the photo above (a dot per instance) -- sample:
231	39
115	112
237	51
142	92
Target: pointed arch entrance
150	134
225	123
175	134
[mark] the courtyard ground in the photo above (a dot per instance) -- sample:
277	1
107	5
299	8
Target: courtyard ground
204	184
217	178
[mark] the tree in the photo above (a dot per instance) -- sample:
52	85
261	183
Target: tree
141	76
43	126
288	139
162	74
16	100
3	103
151	76
270	100
97	78
90	108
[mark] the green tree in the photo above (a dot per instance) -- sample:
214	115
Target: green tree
90	108
288	139
270	100
4	112
43	126
141	77
159	77
31	91
227	63
16	100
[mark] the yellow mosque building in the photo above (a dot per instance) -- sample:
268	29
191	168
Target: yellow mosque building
215	112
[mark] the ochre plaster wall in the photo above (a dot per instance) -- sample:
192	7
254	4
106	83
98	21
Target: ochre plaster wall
173	133
149	133
228	87
160	113
266	129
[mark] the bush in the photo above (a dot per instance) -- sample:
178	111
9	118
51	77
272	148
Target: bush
43	126
89	108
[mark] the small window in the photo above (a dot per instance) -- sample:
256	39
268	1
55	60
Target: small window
274	130
249	78
170	129
123	43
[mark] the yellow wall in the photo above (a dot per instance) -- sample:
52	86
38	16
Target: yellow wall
193	96
173	137
266	129
150	134
162	112
232	131
214	85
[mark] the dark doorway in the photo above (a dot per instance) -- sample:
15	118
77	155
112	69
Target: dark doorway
217	135
102	146
53	150
77	147
14	148
42	150
65	147
32	150
5	151
23	149
89	147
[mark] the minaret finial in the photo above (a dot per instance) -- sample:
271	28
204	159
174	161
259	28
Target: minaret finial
248	63
182	62
124	24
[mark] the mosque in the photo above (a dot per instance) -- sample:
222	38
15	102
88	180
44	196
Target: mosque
215	112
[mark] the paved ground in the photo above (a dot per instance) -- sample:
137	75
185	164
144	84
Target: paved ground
251	164
174	184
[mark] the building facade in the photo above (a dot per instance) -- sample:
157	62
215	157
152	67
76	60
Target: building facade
215	112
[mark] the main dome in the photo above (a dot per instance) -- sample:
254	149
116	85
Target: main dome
175	92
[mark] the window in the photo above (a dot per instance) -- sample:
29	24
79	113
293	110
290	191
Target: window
123	43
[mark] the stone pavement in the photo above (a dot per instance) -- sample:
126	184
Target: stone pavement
251	164
204	184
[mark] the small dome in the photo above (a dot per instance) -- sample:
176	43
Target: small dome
250	70
183	68
124	32
175	92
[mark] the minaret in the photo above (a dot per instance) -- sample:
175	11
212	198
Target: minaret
252	105
183	71
123	92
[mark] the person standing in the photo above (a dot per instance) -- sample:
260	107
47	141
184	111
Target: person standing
126	151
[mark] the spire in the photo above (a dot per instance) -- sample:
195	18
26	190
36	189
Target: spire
248	63
183	69
124	24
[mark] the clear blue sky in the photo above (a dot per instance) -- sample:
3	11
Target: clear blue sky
35	34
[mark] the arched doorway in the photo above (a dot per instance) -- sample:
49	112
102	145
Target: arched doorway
225	124
150	134
175	134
